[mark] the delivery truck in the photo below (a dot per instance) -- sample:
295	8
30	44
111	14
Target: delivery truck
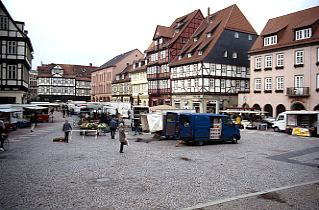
288	120
200	128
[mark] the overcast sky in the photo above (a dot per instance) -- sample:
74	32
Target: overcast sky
94	31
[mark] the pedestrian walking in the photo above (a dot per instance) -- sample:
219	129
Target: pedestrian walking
113	126
2	133
33	121
67	128
122	137
136	127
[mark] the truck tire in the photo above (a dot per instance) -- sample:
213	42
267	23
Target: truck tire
234	139
200	143
276	129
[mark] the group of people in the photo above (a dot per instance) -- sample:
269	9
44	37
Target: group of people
114	124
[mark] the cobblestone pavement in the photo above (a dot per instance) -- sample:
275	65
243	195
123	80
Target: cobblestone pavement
90	172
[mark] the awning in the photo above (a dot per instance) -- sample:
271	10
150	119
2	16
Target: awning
35	107
10	110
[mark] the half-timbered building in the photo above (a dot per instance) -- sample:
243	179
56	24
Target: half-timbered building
139	83
213	66
64	82
166	45
103	76
15	61
121	86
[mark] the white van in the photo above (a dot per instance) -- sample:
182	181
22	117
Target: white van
288	120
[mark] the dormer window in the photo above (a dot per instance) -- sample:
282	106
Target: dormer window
225	54
156	42
200	52
189	55
179	57
209	35
160	41
270	40
195	39
176	30
303	34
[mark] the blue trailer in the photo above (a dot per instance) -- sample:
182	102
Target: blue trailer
200	128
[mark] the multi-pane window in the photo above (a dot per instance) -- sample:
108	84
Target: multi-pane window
196	82
236	35
268	61
279	83
163	54
280	59
4	23
258	62
268	83
270	40
258	84
12	47
299	57
303	34
237	83
211	82
12	72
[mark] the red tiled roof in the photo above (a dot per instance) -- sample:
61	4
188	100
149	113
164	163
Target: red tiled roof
163	31
285	26
79	72
229	18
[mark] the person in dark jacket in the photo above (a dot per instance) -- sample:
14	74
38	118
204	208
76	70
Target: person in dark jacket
113	126
67	128
122	137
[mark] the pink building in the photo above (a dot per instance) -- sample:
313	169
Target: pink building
101	79
284	64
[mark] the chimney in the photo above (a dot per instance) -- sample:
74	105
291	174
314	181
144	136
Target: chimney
208	11
90	64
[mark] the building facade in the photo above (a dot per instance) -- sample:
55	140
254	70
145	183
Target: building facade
139	83
121	86
213	67
285	65
64	82
166	45
33	86
103	76
16	57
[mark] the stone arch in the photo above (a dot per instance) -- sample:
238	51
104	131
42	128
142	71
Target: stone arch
280	108
297	106
256	107
268	108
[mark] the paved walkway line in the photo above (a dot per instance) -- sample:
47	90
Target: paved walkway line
211	203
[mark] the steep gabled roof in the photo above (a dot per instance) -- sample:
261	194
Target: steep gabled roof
115	60
79	72
23	33
285	27
229	18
